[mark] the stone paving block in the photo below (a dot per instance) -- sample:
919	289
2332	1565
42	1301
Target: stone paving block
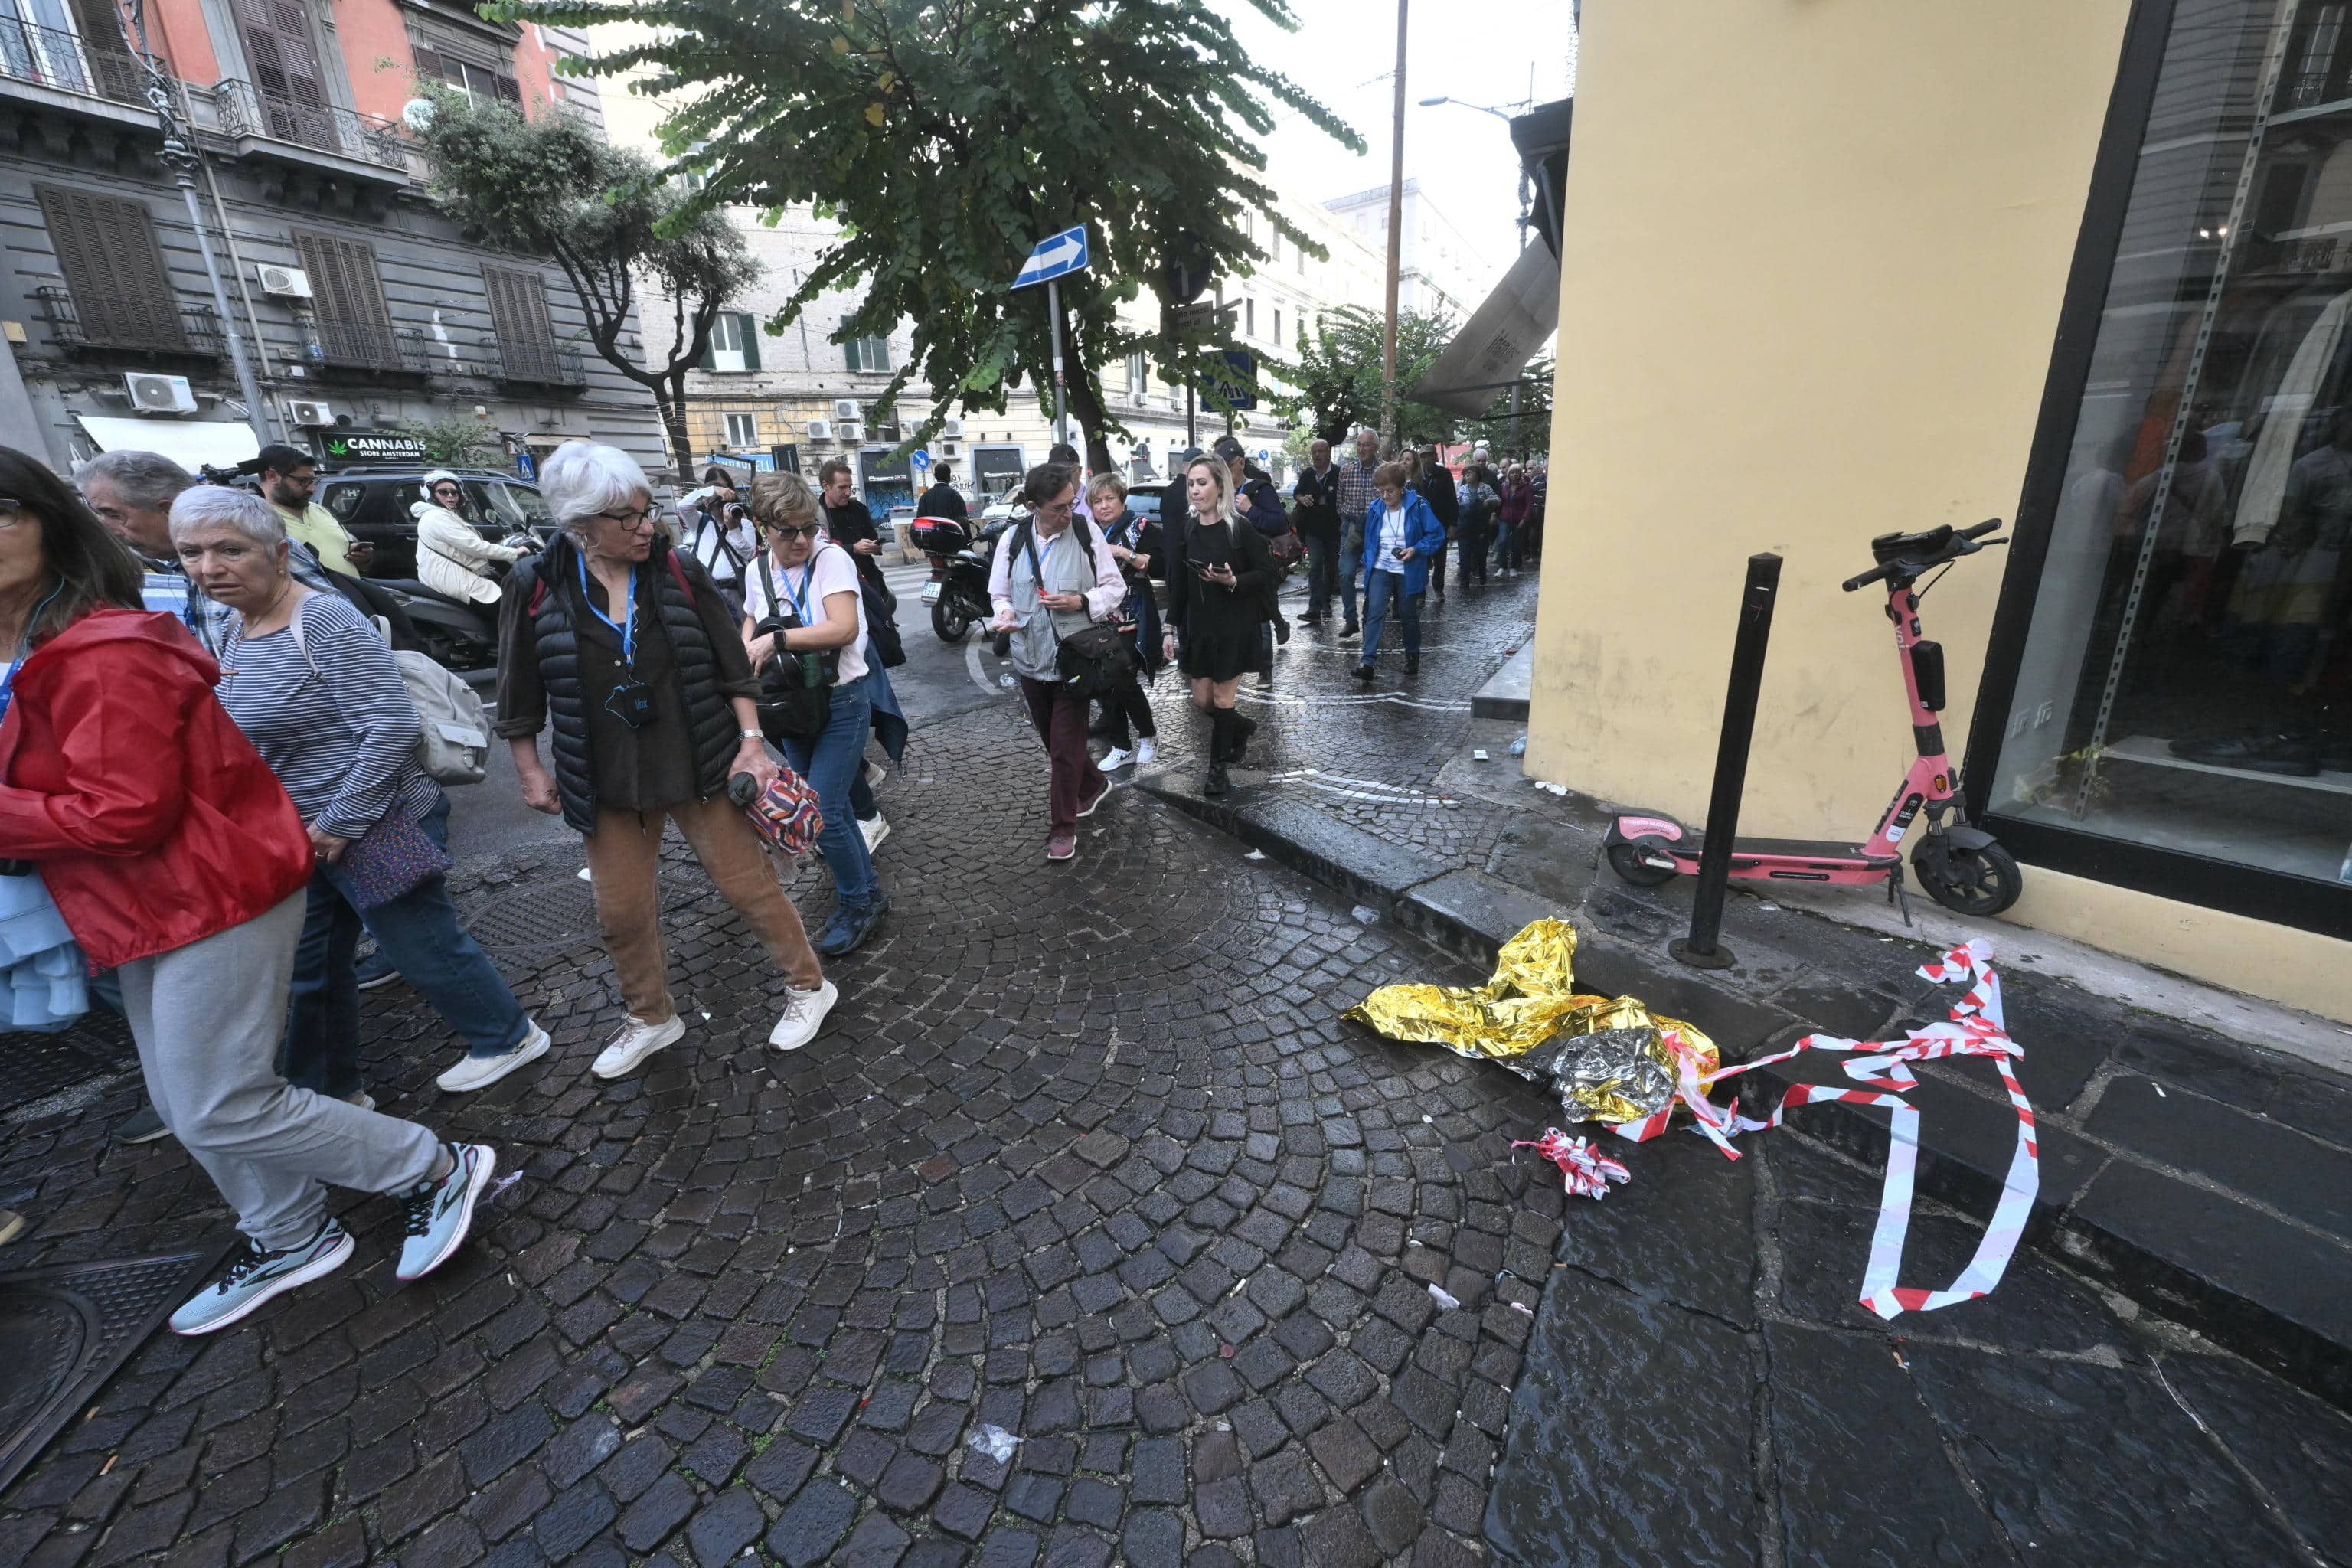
1615	1362
2298	1175
2297	1447
2089	1463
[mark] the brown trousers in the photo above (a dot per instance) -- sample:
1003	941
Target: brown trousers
624	863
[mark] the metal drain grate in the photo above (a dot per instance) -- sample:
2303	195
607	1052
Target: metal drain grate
34	1066
550	913
68	1329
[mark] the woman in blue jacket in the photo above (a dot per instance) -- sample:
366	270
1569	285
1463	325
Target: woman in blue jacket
1401	535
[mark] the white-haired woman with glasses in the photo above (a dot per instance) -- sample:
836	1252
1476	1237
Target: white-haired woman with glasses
318	693
1221	579
631	651
453	559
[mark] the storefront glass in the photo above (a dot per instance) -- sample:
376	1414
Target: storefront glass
2186	684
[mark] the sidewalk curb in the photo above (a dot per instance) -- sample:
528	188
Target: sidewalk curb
2193	1251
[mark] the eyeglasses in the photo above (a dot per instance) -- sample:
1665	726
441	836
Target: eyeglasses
1056	507
635	518
12	513
788	531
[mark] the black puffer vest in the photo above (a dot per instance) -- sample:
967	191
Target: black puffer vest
710	719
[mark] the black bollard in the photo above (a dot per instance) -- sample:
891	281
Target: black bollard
1700	949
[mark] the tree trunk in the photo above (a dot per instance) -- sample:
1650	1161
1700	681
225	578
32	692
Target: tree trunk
671	401
1087	406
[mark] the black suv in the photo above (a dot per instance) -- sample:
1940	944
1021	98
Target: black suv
372	503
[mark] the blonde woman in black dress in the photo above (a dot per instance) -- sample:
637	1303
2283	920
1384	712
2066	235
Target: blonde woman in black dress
1220	581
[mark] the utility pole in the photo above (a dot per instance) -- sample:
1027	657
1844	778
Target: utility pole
1054	310
1396	241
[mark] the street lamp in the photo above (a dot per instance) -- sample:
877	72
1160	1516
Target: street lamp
1463	103
1527	196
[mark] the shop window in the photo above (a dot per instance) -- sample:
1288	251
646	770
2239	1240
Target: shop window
2182	694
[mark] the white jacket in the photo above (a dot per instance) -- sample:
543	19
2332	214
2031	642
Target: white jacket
453	559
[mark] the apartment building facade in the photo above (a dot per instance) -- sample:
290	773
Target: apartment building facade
358	305
1438	268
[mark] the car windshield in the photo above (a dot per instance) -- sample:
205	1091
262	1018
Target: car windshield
342	500
518	506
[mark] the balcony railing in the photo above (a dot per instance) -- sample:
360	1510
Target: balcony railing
364	345
245	110
83	322
52	58
530	364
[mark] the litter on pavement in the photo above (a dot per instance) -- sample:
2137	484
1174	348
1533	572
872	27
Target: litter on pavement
1615	1062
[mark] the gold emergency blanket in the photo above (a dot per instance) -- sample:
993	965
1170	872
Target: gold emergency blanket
1612	1059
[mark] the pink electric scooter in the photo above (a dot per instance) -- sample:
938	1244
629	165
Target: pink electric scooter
1962	867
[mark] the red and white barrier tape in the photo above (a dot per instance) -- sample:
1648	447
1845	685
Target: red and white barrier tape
1975	1029
1584	1170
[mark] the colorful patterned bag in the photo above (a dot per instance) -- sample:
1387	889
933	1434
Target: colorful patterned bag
785	813
393	859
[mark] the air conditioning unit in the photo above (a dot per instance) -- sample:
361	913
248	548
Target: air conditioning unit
845	408
309	416
947	448
852	432
952	429
161	393
286	282
820	429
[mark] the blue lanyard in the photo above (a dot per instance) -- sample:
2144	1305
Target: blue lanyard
799	599
624	629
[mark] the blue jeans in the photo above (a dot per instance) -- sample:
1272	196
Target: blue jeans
1502	543
1322	574
1383	593
1352	565
419	932
832	762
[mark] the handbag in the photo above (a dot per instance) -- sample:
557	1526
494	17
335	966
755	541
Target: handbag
1092	662
786	815
393	859
791	706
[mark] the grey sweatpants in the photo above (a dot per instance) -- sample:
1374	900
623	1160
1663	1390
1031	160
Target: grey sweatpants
208	1017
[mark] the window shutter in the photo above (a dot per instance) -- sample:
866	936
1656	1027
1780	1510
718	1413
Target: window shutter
277	36
518	306
709	360
354	325
509	89
113	267
749	325
428	62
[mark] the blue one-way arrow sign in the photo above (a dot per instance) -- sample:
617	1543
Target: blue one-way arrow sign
1055	255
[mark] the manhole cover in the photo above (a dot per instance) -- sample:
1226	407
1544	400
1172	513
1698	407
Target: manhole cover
34	1066
549	914
67	1329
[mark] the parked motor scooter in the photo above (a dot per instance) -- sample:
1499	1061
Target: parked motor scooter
458	635
962	573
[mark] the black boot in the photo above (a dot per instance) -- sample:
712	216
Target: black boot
1412	664
1220	729
1238	730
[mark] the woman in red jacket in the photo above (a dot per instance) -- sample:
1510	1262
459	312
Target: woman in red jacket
176	858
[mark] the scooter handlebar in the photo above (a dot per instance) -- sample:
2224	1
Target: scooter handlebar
1960	543
1990	525
1872	575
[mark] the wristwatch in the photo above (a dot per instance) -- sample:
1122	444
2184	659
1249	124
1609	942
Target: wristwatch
753	734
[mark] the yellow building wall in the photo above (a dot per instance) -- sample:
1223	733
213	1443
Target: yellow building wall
1813	262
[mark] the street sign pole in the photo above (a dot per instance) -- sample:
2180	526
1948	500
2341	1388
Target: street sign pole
1054	309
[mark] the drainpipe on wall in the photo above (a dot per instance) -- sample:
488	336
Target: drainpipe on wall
235	261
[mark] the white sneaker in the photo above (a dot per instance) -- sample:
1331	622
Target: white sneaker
875	773
874	830
1147	751
1114	759
804	1013
480	1072
364	1099
635	1042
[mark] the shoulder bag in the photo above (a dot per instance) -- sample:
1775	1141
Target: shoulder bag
795	700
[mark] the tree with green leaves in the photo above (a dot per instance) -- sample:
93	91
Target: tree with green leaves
1335	382
948	136
551	185
458	440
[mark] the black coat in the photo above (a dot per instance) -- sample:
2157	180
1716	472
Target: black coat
1145	538
1318	512
1437	490
942	500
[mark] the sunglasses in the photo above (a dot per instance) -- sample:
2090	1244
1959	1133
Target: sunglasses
788	531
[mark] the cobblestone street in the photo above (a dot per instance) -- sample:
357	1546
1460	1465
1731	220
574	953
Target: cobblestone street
1087	1161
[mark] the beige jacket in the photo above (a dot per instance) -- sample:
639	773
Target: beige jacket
453	560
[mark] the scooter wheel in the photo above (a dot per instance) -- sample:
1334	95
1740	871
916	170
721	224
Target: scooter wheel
951	624
1626	860
1967	881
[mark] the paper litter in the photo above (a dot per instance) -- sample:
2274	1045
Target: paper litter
1444	1297
994	1441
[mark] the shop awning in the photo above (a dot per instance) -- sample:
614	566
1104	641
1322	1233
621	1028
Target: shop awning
1488	354
190	444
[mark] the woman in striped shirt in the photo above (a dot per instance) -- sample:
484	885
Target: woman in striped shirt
317	692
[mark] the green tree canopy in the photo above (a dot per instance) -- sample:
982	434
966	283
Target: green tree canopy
551	185
1337	377
949	136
